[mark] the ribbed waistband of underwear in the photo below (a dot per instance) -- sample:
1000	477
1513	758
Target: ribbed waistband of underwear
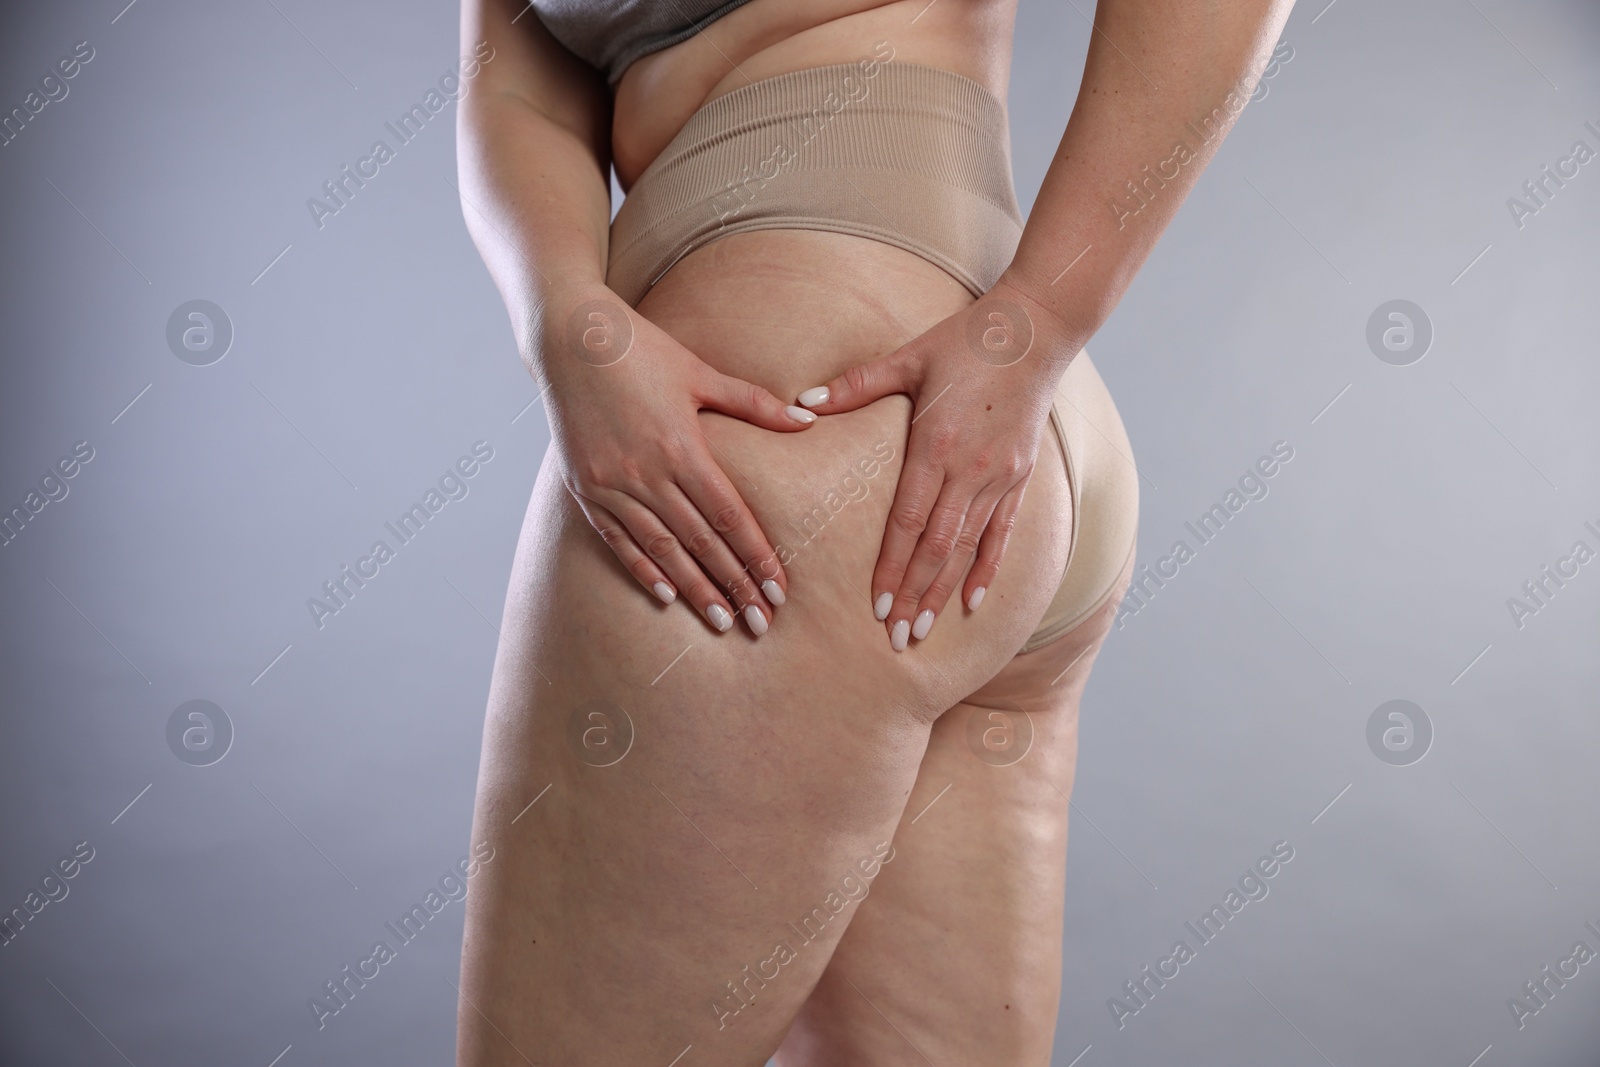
909	155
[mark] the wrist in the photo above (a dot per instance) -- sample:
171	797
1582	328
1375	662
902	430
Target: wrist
1055	338
576	325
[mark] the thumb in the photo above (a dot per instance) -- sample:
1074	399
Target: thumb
748	401
861	385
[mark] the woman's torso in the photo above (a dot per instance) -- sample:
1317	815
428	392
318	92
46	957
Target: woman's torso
897	294
792	308
763	38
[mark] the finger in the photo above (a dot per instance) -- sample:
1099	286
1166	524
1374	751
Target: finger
992	546
714	496
908	516
748	401
935	547
618	538
862	384
667	551
690	525
973	527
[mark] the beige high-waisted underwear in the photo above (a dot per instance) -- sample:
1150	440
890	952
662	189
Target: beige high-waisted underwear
912	156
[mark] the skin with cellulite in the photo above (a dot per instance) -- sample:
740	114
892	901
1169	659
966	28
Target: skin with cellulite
716	847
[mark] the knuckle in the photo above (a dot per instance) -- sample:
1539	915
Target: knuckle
751	396
700	542
938	543
942	440
629	471
907	520
855	379
1014	467
726	517
587	474
672	449
614	536
967	541
661	545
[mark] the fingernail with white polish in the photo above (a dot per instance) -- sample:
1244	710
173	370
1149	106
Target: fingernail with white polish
801	414
755	620
774	592
976	598
719	617
812	397
881	606
665	592
923	625
898	635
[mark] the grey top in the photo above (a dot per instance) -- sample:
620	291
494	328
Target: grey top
611	34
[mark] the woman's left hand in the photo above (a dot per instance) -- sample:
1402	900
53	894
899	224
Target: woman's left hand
981	383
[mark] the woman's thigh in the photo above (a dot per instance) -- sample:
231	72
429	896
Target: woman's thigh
682	820
955	956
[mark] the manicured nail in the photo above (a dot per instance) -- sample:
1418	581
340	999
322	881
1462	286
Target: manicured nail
665	592
898	635
812	397
976	598
755	620
881	606
801	414
923	625
774	592
719	617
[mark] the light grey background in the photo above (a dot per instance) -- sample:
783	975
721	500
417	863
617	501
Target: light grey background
1226	715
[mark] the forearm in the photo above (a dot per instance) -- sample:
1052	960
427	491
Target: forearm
1162	85
533	159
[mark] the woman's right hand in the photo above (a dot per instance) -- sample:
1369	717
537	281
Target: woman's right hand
623	399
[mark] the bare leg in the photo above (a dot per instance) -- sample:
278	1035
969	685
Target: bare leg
955	957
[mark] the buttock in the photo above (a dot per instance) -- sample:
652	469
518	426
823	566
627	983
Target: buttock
787	310
1092	443
912	161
